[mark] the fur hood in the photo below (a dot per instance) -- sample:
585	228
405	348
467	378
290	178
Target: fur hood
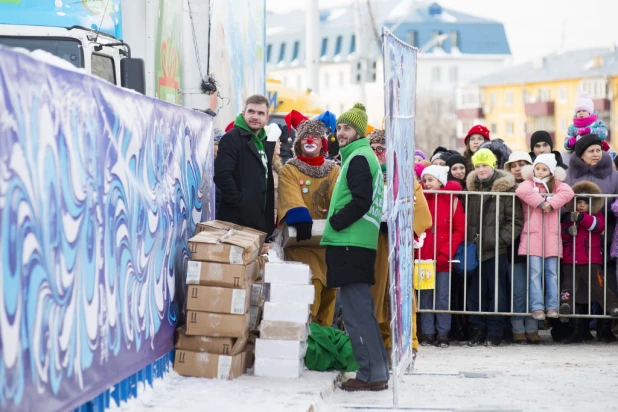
579	168
502	182
588	188
315	172
499	148
527	172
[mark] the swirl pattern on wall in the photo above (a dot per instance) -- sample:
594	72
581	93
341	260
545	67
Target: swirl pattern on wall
100	189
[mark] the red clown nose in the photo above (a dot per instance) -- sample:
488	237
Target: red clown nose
310	140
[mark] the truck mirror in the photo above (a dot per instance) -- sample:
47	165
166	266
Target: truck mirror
132	74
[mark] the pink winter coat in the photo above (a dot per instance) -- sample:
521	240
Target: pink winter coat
542	230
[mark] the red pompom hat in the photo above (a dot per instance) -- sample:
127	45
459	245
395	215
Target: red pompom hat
478	129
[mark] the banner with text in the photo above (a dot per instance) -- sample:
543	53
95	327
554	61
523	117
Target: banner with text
100	189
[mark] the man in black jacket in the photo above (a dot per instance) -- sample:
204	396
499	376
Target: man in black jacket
243	169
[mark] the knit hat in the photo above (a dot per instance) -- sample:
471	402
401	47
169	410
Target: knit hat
478	129
541	136
442	155
420	153
456	159
377	136
310	128
439	172
418	169
584	102
485	157
585	142
356	117
516	156
548	160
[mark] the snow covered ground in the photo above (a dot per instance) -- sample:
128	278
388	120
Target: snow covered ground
247	394
554	377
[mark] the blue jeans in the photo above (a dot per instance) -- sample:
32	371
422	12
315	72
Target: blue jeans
536	283
521	324
487	298
430	322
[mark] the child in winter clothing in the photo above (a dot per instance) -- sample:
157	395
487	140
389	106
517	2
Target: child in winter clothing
582	226
419	156
486	216
585	121
540	236
441	243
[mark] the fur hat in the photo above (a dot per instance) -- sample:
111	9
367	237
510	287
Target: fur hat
356	117
499	149
541	136
585	142
377	136
484	156
478	129
584	102
313	128
586	187
516	156
439	172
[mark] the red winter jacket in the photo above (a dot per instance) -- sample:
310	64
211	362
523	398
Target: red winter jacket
589	231
447	238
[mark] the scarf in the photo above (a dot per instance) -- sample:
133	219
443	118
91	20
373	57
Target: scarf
312	161
543	182
585	121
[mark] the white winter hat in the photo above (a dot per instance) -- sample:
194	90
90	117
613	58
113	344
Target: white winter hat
584	102
516	156
549	160
439	172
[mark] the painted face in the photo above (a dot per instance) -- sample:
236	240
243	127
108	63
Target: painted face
540	148
592	155
582	113
475	141
439	162
516	168
380	152
312	146
346	134
541	171
431	183
418	159
458	171
483	171
582	206
256	116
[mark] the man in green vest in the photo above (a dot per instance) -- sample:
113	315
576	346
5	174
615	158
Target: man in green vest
351	240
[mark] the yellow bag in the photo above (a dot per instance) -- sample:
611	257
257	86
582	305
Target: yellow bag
424	274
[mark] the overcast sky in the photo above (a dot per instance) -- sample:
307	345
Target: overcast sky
533	27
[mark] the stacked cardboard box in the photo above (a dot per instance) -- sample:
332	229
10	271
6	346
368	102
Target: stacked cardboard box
220	281
288	292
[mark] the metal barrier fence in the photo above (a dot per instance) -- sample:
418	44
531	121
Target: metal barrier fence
569	279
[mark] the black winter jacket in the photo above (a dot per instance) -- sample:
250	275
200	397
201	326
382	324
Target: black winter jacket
239	174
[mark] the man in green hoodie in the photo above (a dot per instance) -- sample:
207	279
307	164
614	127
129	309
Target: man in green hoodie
351	240
243	169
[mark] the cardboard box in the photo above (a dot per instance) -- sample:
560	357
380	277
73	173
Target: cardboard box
225	246
282	293
219	346
257	295
289	235
217	324
278	368
272	329
209	365
255	316
218	300
280	349
216	225
261	262
292	273
286	312
221	274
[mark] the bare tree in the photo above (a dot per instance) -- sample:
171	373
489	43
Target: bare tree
436	124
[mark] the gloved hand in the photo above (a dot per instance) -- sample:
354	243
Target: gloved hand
576	217
571	142
303	231
583	131
573	230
